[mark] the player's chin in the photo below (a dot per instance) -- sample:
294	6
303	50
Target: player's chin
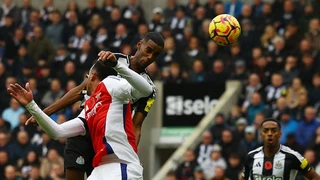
271	144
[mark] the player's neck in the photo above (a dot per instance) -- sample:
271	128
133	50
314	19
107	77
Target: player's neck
271	151
93	87
134	65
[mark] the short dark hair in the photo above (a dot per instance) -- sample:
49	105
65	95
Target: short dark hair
155	37
273	120
103	71
56	12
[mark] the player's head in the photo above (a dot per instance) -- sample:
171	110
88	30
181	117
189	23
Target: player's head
96	74
148	49
270	132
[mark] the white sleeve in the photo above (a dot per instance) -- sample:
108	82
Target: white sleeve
56	131
140	86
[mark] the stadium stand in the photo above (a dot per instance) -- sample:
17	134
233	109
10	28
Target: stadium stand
276	59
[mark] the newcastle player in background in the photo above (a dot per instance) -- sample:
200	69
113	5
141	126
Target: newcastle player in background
274	161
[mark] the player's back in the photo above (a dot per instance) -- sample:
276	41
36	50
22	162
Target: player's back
108	115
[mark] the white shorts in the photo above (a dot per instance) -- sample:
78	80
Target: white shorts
117	171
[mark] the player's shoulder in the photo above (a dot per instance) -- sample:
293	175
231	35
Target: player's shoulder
122	58
289	151
255	151
113	81
120	55
146	76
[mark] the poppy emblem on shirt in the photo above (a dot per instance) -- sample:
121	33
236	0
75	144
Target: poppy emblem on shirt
268	165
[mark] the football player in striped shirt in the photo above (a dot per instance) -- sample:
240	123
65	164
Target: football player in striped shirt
80	147
274	161
106	116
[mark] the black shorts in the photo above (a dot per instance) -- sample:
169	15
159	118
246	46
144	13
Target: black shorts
79	153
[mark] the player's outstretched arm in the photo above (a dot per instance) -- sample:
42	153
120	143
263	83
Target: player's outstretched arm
141	87
68	99
54	130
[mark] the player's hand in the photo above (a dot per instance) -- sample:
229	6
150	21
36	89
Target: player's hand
107	58
32	121
23	96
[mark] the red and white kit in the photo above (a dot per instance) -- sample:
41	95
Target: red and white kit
107	117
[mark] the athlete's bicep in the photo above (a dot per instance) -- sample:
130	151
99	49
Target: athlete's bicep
68	99
144	105
301	164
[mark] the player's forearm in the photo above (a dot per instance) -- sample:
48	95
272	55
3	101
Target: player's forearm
137	133
138	82
312	175
54	130
68	99
137	120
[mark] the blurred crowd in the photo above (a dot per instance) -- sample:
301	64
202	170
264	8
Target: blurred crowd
277	59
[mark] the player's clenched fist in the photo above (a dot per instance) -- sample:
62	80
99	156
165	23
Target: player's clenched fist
107	58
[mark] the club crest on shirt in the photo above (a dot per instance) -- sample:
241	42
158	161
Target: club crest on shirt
278	165
98	96
80	160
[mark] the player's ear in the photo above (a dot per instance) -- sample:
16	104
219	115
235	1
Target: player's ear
139	44
93	77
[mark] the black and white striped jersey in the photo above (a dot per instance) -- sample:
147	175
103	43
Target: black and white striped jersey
284	165
142	105
125	59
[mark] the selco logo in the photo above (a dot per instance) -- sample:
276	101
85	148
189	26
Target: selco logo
177	105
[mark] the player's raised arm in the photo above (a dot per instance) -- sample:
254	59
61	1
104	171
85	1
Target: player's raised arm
68	99
141	88
54	130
